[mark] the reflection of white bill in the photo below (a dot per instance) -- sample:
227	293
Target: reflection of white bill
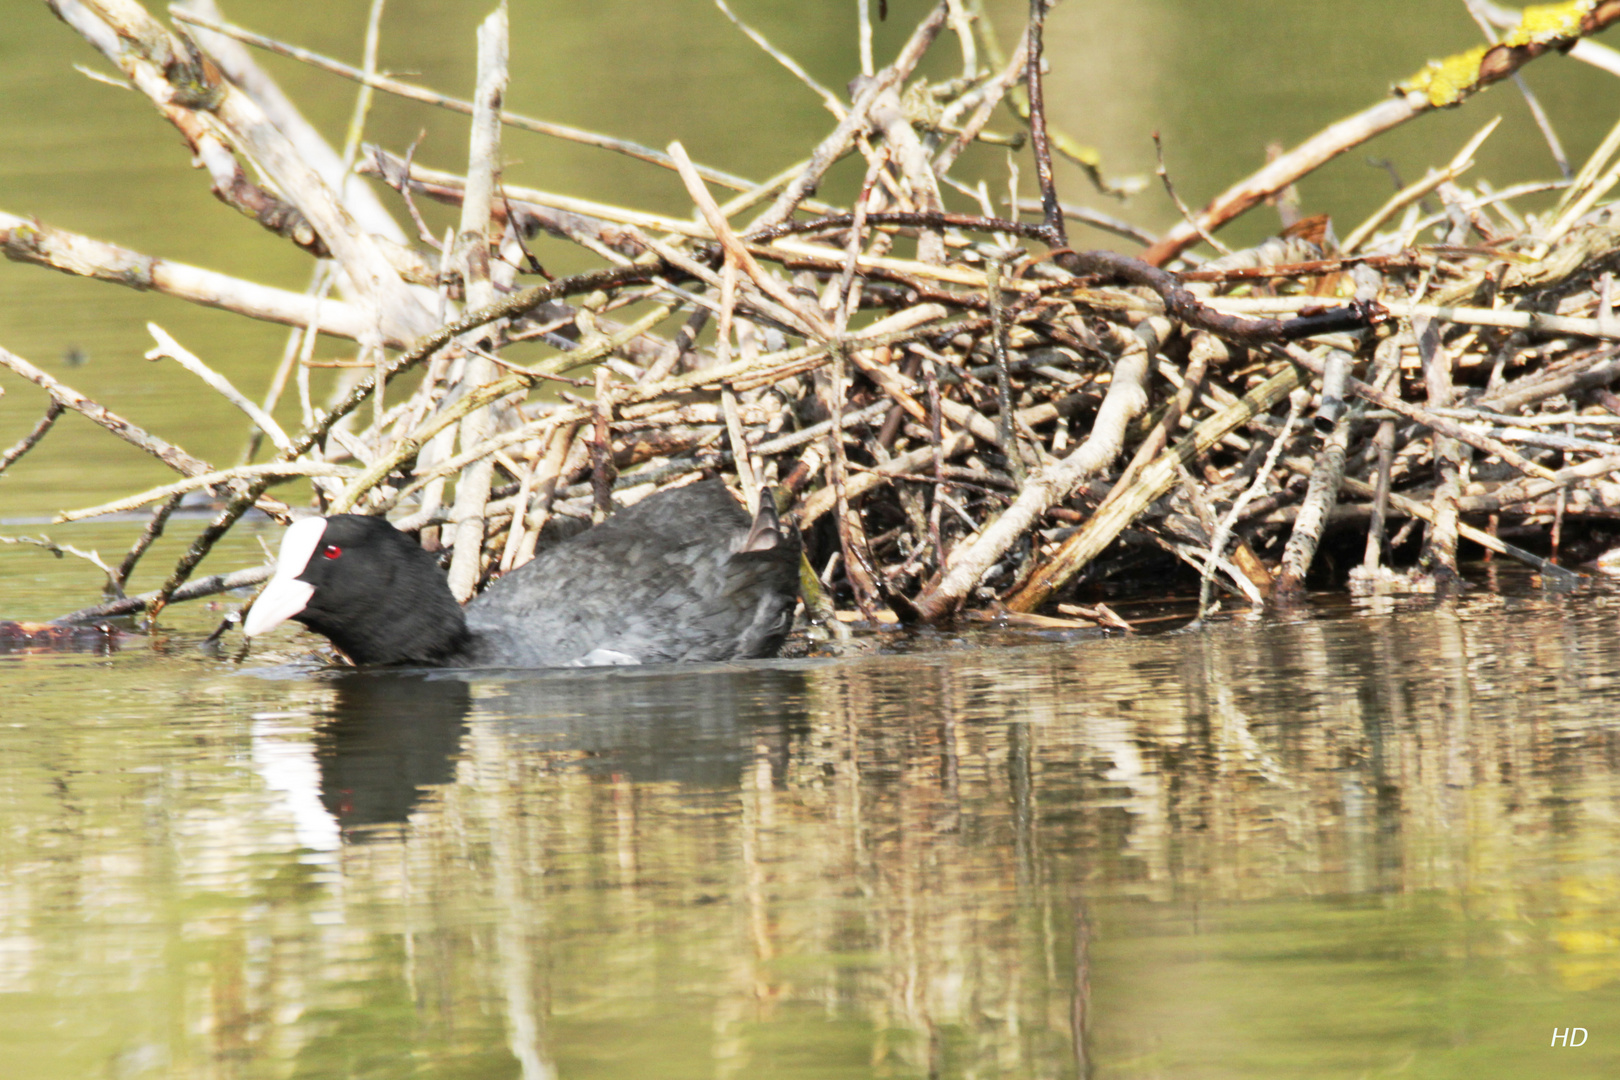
284	758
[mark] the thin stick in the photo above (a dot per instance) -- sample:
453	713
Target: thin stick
863	10
740	457
1096	219
520	504
472	246
168	347
1386	365
837	144
291	353
1051	209
149	536
1461	162
130	605
809	319
545	486
854	566
59	550
171	455
1477	13
1228	523
274	470
998	345
1439	556
992	93
362	101
29	441
1186	213
828	98
428	97
601	446
936	442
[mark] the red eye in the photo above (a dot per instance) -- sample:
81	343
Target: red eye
331	551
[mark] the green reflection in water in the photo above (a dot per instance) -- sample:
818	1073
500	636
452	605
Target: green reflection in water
1378	842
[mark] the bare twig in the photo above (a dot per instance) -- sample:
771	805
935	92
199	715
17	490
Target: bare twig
208	586
148	537
472	246
167	346
29	441
1051	209
415	93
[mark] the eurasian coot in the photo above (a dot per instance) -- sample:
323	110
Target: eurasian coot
684	574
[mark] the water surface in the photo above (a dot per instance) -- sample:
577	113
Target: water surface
1360	843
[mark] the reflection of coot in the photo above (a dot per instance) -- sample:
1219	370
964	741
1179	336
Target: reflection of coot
697	726
390	736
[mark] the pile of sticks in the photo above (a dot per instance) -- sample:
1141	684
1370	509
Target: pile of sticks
963	413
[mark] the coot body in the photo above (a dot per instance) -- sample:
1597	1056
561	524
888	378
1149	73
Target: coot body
684	574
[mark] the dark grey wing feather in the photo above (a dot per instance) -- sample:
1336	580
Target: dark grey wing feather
666	579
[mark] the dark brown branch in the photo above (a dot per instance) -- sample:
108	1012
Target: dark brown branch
1051	211
1179	302
153	530
29	441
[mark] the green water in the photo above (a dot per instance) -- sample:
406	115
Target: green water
1370	843
1376	840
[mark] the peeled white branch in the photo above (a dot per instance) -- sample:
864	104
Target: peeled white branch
1046	486
205	110
167	346
472	251
28	241
275	469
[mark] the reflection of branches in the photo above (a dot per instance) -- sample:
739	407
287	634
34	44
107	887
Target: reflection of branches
932	849
1080	1003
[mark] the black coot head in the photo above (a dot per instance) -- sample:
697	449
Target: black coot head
365	585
